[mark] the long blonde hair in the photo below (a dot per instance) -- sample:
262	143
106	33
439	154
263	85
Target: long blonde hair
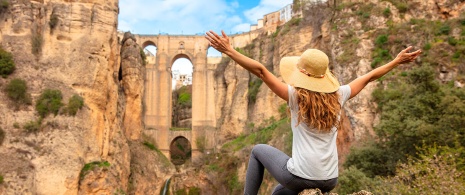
318	110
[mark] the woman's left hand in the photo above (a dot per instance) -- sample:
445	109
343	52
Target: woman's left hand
219	43
405	57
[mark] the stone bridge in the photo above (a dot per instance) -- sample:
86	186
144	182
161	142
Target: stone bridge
158	93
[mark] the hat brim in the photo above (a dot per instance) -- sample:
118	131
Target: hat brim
293	77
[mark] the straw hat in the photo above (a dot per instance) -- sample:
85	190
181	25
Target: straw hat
309	71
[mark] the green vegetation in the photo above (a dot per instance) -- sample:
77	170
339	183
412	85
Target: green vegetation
16	91
190	191
401	5
4	4
195	191
53	21
2	136
381	54
32	126
201	141
262	136
7	65
254	86
183	96
435	169
387	12
16	125
416	111
150	146
37	41
1	179
49	102
143	57
180	129
75	103
91	166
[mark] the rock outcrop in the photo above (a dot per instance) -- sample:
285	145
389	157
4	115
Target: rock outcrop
132	78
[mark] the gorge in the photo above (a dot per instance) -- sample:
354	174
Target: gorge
119	141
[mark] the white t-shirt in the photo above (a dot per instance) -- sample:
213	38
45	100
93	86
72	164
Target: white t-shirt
314	153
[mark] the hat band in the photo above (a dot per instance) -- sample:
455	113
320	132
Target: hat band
310	74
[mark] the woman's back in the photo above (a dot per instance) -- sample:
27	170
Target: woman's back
314	152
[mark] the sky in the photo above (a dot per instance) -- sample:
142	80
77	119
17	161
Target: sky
190	17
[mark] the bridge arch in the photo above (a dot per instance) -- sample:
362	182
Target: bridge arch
148	43
180	150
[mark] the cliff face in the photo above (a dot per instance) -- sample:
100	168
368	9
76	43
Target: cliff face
72	47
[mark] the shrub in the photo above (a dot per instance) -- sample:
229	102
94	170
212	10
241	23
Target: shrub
1	179
254	86
201	142
387	12
16	125
381	40
32	126
353	180
16	90
435	169
2	136
53	21
74	104
444	30
195	191
4	4
37	41
49	102
427	46
143	56
7	65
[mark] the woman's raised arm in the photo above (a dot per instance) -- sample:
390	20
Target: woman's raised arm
222	44
403	57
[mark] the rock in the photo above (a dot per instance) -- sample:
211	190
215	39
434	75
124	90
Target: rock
318	192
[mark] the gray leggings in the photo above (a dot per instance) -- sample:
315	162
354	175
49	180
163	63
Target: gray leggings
264	156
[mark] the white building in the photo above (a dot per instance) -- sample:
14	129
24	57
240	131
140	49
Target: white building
285	13
179	80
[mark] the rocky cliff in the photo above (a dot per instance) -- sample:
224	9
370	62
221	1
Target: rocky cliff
71	47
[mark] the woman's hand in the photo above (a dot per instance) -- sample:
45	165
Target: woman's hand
219	43
405	57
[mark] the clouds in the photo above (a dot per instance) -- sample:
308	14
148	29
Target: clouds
265	7
192	16
175	16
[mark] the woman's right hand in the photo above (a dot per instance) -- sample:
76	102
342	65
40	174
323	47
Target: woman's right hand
219	43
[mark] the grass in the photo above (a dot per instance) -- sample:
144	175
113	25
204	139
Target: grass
91	166
262	136
180	129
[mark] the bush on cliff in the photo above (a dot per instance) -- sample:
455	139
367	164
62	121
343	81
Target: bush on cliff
16	90
75	103
49	102
7	65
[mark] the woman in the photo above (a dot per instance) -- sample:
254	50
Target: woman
315	99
